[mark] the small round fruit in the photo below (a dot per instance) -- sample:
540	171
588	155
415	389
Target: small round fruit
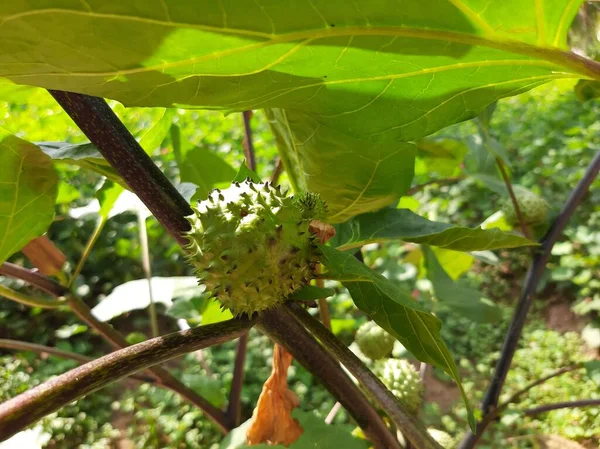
250	246
403	380
373	341
533	208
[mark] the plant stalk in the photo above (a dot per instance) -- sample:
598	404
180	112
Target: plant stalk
410	427
88	249
513	198
490	401
281	326
28	300
27	408
145	253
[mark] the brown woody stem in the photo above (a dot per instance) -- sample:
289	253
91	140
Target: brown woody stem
25	409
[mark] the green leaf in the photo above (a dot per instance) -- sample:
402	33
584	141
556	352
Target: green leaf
209	388
66	193
345	84
107	196
28	190
442	156
351	174
395	311
316	435
402	224
152	139
311	293
199	166
592	369
587	90
457	295
244	173
84	155
213	313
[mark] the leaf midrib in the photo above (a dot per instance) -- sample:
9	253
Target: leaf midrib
563	58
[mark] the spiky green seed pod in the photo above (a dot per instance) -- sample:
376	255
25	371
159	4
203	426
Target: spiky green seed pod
250	246
533	208
443	439
404	382
311	205
373	341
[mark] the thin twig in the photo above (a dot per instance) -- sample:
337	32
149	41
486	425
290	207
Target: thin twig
513	198
521	392
441	182
145	254
234	409
248	145
29	300
281	326
277	172
88	248
559	405
410	427
534	273
25	409
333	412
423	371
41	349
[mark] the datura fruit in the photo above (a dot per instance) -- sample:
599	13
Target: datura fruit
404	382
533	208
250	244
373	341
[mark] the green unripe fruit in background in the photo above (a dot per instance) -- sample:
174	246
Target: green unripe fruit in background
403	380
533	208
250	246
373	341
443	439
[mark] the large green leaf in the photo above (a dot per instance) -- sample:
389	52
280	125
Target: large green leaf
353	175
28	190
402	224
346	82
457	295
394	310
199	166
84	155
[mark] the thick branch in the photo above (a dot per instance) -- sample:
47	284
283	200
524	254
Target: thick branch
411	428
104	129
282	327
25	409
490	401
